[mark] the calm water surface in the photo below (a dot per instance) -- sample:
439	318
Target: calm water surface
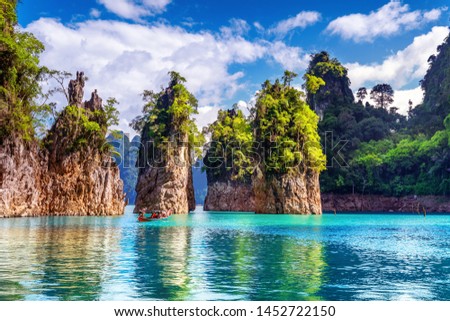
214	256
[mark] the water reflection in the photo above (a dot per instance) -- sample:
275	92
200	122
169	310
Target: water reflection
210	256
48	258
249	266
184	263
162	262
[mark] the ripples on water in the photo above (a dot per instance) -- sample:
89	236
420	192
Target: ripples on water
212	256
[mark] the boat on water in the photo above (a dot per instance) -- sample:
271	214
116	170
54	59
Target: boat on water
154	215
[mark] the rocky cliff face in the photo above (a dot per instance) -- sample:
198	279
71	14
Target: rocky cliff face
336	90
85	183
167	187
287	194
230	196
385	204
59	179
165	176
21	169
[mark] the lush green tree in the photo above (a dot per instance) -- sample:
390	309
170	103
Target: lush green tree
361	94
111	113
168	113
231	137
382	95
19	77
326	83
286	128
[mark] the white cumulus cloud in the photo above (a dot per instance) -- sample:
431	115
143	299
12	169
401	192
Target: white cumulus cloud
301	20
402	97
135	10
291	58
95	13
399	69
122	59
388	20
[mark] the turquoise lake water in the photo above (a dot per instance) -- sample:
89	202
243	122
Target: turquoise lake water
223	256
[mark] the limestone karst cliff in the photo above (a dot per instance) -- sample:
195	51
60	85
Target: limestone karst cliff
229	196
168	136
293	193
287	177
21	169
327	83
228	169
271	163
71	174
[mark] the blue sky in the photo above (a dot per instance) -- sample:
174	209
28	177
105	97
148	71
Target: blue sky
226	49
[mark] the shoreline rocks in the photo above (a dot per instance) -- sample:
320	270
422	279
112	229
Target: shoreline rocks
385	204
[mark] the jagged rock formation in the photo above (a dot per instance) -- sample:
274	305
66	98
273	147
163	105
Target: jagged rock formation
165	174
76	90
167	186
70	175
336	85
272	165
229	182
297	193
21	170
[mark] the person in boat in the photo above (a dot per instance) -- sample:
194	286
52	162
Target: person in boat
141	213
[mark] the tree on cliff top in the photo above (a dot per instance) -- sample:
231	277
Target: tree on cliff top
19	77
361	94
81	126
383	95
168	113
231	136
286	128
326	82
427	117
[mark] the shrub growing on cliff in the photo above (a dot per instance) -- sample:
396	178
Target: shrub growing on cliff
326	82
77	128
286	128
19	76
231	137
167	116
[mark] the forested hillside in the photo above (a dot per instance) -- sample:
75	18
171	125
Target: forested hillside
384	152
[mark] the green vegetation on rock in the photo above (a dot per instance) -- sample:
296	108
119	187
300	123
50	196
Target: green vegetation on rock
167	117
286	129
326	82
428	117
231	137
19	76
381	151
